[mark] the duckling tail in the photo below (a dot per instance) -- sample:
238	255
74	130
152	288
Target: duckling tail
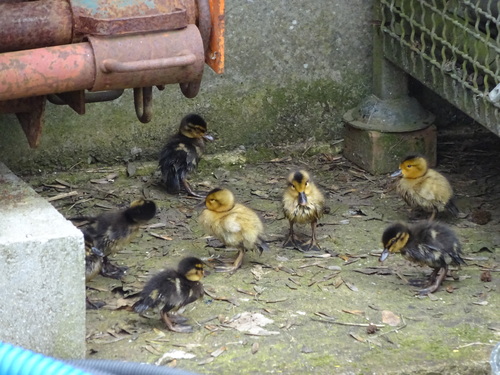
171	179
143	304
452	208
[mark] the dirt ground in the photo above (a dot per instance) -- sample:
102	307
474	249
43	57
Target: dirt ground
309	312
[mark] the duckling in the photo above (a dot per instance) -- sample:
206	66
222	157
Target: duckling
423	187
302	203
182	153
113	230
174	289
232	223
93	266
426	243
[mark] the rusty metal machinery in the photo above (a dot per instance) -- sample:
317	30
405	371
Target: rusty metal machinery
74	52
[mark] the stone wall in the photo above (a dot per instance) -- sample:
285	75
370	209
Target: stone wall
293	67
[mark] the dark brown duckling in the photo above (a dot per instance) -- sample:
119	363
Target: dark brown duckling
111	231
182	153
174	289
426	243
303	203
423	187
93	266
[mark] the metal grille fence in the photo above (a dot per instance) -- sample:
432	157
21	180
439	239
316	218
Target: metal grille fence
452	47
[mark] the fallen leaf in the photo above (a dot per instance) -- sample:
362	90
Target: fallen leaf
388	317
356	337
176	354
255	347
251	323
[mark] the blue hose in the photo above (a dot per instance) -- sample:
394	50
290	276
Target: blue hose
19	361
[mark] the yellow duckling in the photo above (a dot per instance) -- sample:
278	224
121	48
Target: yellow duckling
182	153
232	223
174	289
426	243
302	203
423	187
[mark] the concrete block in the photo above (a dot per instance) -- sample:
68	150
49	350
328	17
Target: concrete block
381	152
42	277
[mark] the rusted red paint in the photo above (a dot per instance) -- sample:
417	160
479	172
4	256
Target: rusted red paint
104	17
34	24
116	45
48	70
215	54
142	60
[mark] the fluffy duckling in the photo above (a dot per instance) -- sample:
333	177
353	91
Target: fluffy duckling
302	203
93	265
426	243
113	230
174	289
423	187
182	153
232	223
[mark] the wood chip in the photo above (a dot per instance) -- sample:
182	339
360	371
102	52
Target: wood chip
63	196
162	237
218	352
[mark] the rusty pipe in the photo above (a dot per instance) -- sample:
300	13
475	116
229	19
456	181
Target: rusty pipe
114	66
45	71
35	24
81	66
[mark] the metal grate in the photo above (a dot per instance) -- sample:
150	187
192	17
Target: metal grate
452	47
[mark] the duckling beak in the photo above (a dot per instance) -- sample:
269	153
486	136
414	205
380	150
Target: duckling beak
302	199
399	172
384	255
97	252
208	137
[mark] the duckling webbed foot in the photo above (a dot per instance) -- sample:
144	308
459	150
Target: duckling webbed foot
292	242
177	319
112	271
172	326
310	245
231	268
89	305
190	191
435	282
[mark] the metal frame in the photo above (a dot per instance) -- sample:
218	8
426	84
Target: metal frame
452	47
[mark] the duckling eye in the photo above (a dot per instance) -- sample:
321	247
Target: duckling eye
292	186
409	166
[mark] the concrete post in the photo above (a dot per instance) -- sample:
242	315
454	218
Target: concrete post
42	282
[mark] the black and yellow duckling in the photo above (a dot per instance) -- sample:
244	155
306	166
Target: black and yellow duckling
423	187
232	223
426	243
182	153
110	231
93	266
174	289
302	203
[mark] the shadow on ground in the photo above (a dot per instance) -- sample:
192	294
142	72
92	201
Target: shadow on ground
318	306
